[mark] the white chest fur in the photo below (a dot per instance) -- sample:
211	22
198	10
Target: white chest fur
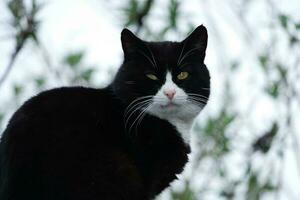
184	128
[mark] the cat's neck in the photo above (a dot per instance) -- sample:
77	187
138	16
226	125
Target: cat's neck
183	127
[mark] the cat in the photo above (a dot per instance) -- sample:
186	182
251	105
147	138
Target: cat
127	141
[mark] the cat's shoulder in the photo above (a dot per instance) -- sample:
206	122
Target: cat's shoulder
68	95
65	92
62	100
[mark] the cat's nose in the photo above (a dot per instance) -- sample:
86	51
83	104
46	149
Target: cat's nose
170	93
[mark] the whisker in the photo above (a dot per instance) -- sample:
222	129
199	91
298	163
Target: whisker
179	59
147	58
190	108
143	111
205	88
137	99
198	99
188	53
130	82
197	103
183	65
152	55
199	95
135	105
141	118
141	105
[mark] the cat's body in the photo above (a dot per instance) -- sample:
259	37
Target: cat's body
75	149
123	142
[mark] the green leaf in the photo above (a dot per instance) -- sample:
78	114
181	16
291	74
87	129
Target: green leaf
87	74
256	189
40	82
17	9
186	194
268	187
263	59
18	89
282	70
173	13
253	191
283	20
131	12
293	40
273	89
215	131
297	25
73	59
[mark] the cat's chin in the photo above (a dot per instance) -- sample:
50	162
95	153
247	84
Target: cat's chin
170	106
174	111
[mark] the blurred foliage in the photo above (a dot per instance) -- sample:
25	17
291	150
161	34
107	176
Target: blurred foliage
255	189
216	133
264	142
74	59
25	25
136	12
186	194
79	74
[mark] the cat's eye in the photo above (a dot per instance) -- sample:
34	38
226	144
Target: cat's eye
152	77
182	75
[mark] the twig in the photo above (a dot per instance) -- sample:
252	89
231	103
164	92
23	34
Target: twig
46	58
295	139
140	16
12	61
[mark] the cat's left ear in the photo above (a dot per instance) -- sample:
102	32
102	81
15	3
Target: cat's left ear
130	42
197	40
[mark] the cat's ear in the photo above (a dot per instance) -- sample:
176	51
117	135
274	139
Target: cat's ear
197	41
130	42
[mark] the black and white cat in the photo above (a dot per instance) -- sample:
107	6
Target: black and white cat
124	142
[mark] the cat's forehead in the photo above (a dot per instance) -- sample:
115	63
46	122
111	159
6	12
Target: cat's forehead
165	53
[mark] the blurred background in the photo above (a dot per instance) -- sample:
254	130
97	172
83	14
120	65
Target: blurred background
247	139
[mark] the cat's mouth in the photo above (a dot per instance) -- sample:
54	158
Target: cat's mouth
170	105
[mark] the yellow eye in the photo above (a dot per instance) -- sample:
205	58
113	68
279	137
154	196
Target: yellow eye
182	75
152	77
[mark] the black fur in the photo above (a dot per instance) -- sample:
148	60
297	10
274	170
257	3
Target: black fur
71	144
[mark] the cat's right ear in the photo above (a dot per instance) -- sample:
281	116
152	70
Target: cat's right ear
130	42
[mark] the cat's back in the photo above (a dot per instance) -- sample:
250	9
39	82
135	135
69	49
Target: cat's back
63	105
62	113
59	140
64	101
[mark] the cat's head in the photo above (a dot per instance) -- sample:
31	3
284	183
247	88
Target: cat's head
166	79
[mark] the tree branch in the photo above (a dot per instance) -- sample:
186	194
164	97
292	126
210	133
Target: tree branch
12	60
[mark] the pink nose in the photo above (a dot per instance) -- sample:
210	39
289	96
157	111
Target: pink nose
170	93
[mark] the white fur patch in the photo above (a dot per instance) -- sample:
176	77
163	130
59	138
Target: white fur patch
184	128
178	111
